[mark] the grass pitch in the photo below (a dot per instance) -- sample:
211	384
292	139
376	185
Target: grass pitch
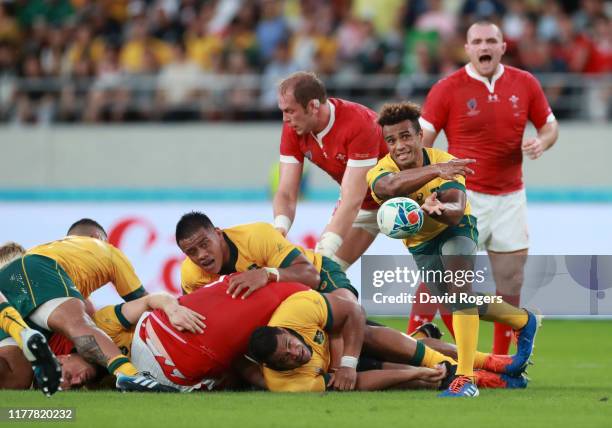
571	386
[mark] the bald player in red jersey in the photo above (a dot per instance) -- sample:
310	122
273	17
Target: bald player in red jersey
343	139
483	109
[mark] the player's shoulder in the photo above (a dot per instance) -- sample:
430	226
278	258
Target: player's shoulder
437	155
517	73
350	112
385	163
456	78
248	228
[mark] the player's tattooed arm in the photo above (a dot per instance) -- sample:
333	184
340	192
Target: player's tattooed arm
88	348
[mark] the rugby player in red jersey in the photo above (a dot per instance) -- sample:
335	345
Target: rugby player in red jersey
343	139
483	109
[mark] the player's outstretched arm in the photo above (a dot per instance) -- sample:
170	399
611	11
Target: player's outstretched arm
286	197
349	320
376	380
352	191
181	317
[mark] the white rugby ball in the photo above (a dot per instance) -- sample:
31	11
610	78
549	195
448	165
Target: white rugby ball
400	218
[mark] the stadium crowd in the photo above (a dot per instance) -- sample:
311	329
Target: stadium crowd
85	60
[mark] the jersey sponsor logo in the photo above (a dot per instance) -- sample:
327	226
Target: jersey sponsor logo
493	98
472	104
361	155
319	337
341	157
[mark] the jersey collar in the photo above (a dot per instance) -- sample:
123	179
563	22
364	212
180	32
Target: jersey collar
426	160
330	124
230	266
469	69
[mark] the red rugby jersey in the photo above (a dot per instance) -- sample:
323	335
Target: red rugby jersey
486	121
229	325
351	138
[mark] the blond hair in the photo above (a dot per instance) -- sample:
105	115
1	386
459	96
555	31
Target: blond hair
9	252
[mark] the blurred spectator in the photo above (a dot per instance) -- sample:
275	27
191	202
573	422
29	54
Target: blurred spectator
513	23
474	10
82	47
280	67
53	12
381	13
108	95
272	28
114	59
548	27
202	47
135	53
178	87
33	100
9	29
437	19
584	18
8	75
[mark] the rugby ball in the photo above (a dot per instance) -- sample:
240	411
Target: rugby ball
399	218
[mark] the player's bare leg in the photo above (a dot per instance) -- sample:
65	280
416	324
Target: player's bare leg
390	345
508	273
356	242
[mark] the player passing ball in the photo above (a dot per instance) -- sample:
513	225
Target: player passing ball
448	238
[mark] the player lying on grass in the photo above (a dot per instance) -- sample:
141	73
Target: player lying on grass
186	360
258	251
181	358
448	238
48	284
295	351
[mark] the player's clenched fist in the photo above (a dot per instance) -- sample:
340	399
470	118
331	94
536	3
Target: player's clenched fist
449	170
250	281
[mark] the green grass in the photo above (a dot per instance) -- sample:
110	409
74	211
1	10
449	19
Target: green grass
571	386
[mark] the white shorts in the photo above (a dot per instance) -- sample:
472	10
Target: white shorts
502	221
366	219
41	315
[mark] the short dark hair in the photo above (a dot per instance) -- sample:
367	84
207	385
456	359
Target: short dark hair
263	343
394	113
83	223
191	223
306	86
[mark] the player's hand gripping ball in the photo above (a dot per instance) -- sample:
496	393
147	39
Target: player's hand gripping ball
399	218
